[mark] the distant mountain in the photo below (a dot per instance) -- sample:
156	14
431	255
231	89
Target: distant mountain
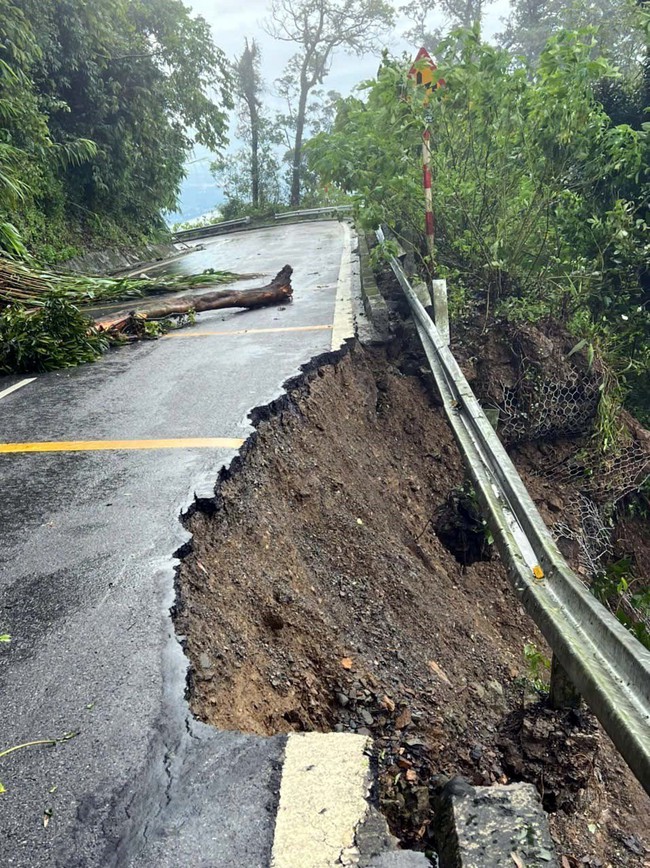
199	193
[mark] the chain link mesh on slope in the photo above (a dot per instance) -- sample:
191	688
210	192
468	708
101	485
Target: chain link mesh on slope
538	409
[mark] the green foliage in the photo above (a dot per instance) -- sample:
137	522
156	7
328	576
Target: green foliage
626	597
41	329
538	667
541	200
615	24
24	136
26	285
133	78
155	328
98	105
55	335
11	241
383	251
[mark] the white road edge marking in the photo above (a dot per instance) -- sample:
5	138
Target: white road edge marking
15	387
323	799
343	319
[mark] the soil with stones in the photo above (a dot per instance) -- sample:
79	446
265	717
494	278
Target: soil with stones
320	595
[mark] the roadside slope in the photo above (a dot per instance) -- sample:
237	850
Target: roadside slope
320	596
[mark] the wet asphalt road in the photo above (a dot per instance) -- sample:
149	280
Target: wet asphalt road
86	582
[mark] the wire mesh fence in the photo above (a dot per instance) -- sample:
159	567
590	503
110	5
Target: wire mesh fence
592	536
535	409
539	408
605	478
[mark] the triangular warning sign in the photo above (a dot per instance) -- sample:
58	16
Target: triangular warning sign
422	70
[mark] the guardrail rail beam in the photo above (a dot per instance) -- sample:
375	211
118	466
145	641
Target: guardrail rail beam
604	662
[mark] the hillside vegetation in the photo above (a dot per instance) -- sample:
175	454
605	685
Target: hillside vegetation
97	102
540	187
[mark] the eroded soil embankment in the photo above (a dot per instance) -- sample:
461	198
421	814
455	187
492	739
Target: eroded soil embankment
318	596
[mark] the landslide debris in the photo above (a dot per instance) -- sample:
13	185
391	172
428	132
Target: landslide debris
318	595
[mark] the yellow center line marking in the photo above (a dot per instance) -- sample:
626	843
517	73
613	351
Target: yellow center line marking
97	445
202	334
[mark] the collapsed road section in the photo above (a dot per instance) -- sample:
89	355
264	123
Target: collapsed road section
344	580
339	591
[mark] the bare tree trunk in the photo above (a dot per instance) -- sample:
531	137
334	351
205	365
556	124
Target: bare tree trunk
276	292
297	150
250	86
255	159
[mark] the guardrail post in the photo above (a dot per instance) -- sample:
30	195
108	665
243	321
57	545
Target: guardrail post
422	291
562	693
440	308
434	295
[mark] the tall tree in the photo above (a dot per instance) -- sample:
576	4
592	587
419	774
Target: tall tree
250	176
617	35
138	78
320	115
320	28
249	87
452	14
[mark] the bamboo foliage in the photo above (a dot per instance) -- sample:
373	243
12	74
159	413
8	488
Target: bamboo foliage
28	286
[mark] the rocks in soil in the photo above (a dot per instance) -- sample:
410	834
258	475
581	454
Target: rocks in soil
204	661
555	750
476	752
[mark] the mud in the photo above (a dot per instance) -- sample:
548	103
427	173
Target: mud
317	594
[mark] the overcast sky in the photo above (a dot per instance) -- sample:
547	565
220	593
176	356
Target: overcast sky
231	23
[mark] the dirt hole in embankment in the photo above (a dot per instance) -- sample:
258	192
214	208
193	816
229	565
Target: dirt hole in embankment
318	596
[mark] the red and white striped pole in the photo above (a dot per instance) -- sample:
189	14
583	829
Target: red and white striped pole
430	225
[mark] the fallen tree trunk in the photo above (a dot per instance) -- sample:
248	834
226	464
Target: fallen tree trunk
276	292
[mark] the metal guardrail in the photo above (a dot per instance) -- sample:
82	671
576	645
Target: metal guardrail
604	662
240	222
313	212
211	229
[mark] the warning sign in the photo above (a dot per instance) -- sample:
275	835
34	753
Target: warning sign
422	71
